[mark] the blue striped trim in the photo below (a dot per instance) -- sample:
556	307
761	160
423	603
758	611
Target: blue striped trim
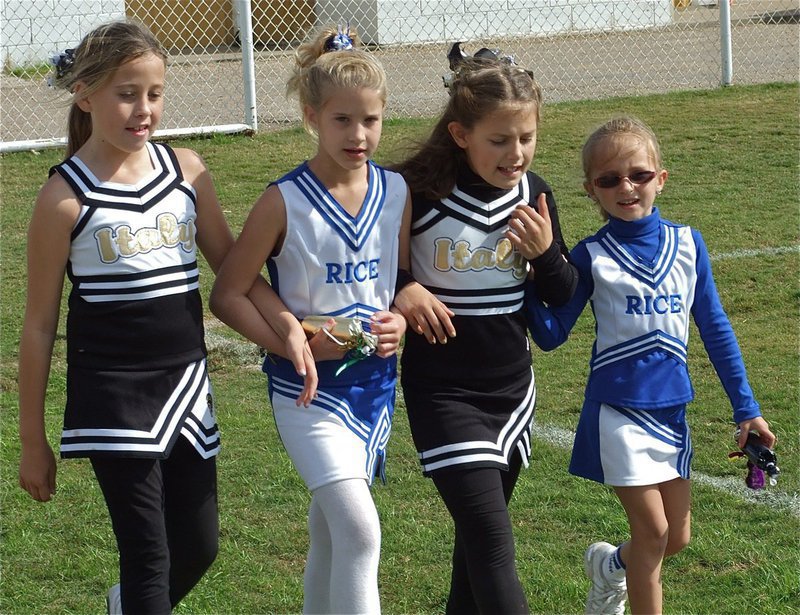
645	343
616	559
356	310
326	401
654	274
375	437
686	454
376	445
354	231
654	428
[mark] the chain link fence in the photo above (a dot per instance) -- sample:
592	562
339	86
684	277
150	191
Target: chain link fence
230	58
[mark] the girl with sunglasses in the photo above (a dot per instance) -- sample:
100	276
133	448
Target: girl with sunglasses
644	277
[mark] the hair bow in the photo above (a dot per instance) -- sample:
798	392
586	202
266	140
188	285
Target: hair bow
62	61
456	57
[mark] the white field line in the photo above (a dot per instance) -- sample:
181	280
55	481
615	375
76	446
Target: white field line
563	437
746	253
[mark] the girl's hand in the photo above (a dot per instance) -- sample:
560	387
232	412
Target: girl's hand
529	231
390	328
299	353
425	314
758	424
323	347
37	471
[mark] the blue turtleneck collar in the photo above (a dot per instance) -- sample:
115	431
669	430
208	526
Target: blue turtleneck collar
635	228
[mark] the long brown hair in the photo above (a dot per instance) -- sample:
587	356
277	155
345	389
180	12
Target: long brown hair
93	62
481	87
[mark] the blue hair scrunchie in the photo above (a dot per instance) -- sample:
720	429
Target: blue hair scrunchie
341	41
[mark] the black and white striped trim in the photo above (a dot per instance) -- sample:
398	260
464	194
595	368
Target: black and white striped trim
516	432
481	302
96	194
160	282
182	413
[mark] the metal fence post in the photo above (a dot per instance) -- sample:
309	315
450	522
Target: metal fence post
726	48
245	16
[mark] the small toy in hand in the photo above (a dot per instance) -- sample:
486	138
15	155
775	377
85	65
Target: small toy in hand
347	333
760	459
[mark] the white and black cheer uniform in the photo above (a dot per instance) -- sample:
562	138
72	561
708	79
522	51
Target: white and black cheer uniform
471	401
644	279
331	263
136	376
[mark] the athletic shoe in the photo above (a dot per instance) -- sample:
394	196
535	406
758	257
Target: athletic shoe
605	596
114	601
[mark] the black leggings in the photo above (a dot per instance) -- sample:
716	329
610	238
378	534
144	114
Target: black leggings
484	578
165	519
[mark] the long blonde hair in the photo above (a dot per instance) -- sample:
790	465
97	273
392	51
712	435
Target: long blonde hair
93	62
317	71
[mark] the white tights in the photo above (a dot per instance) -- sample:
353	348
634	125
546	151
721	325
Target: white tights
341	575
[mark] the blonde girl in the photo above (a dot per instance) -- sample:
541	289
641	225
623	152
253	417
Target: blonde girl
123	217
333	233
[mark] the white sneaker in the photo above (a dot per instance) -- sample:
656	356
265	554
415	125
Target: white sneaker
114	600
605	596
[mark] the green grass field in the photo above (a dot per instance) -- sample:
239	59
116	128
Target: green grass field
732	155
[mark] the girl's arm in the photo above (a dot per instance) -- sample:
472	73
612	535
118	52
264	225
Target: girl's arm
550	326
424	313
215	241
214	238
243	300
54	215
722	347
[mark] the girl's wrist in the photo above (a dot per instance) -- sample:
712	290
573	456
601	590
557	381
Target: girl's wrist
404	278
33	440
287	324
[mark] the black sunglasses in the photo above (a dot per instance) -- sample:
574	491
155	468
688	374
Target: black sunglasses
612	181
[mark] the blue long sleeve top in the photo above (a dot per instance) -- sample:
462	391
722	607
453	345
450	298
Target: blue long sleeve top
643	279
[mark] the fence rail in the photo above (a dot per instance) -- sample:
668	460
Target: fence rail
219	81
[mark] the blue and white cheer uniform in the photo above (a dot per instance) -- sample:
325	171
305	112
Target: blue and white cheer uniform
643	279
331	263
